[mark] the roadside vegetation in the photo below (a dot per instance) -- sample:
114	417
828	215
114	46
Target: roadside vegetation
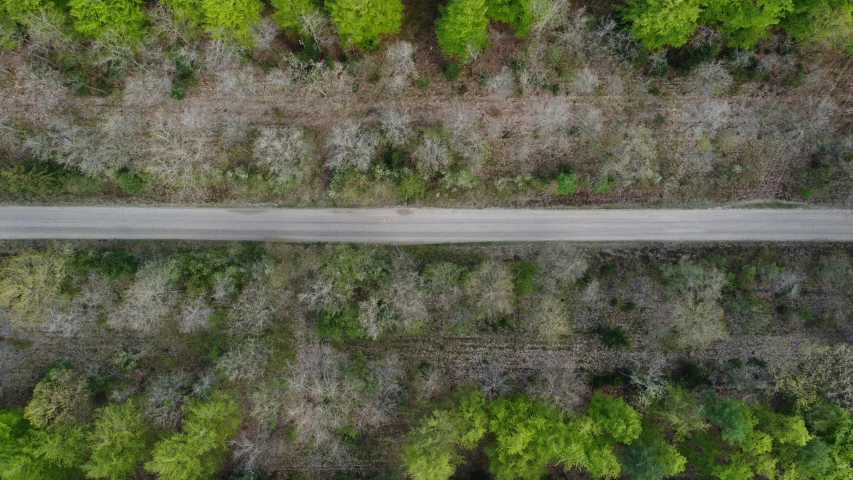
196	361
388	102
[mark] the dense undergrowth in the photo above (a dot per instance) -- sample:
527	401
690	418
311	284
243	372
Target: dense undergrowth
537	102
283	361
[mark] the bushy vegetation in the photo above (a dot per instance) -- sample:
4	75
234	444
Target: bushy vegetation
519	359
180	86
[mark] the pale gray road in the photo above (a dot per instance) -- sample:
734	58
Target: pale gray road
401	225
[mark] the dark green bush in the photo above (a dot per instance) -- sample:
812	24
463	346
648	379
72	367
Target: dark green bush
615	338
130	183
451	71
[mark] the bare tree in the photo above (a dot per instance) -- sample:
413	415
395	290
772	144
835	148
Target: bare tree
351	146
164	397
490	289
396	126
285	151
399	65
432	154
559	381
149	301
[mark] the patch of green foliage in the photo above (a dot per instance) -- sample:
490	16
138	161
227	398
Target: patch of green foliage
515	13
463	28
363	22
98	18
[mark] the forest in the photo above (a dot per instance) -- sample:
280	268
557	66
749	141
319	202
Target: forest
536	103
249	361
179	360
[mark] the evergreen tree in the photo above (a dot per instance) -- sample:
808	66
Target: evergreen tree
118	441
362	22
463	28
662	23
198	450
97	18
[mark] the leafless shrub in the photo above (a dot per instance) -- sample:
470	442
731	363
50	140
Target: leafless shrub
550	319
649	376
432	154
247	451
236	84
246	361
320	398
195	315
442	280
494	379
46	32
465	137
546	13
264	33
585	82
550	119
615	85
618	41
47	91
695	324
704	36
267	404
164	396
149	301
704	120
823	372
559	382
234	131
490	290
782	282
399	65
222	55
252	312
165	25
406	299
316	26
182	148
632	157
351	146
711	78
560	266
591	120
396	126
431	382
95	296
384	379
501	85
68	143
285	151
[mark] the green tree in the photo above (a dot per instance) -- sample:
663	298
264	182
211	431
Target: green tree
362	22
30	454
524	438
224	19
97	18
198	450
515	13
662	23
191	11
744	22
651	458
60	397
732	416
118	441
288	12
617	418
463	28
63	446
31	284
431	450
